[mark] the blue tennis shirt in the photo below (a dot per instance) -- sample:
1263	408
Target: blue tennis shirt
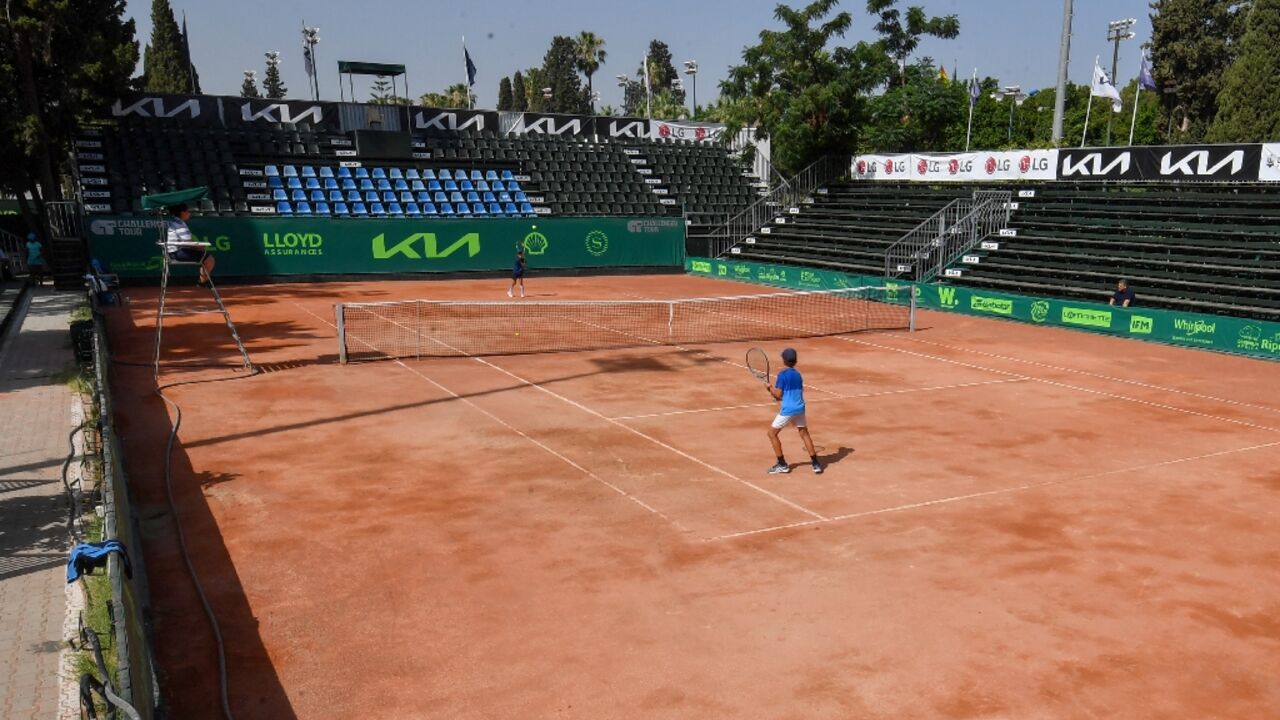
792	387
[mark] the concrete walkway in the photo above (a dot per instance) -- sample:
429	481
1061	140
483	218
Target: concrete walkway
35	418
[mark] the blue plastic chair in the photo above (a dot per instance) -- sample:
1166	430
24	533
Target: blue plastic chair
504	197
489	198
395	173
279	194
473	197
455	197
348	184
366	184
322	208
400	184
298	195
336	196
508	175
450	186
521	197
293	183
359	210
477	175
412	174
377	209
304	208
445	175
354	196
466	185
378	174
446	209
406	197
527	209
440	197
317	196
371	196
417	185
491	175
424	197
270	171
389	197
511	209
275	182
428	174
341	209
429	209
362	173
284	208
312	183
326	172
290	171
513	186
497	186
462	209
478	209
344	172
482	186
495	209
394	209
308	171
384	184
412	210
330	183
434	186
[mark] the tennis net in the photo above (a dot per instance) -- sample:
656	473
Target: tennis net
452	328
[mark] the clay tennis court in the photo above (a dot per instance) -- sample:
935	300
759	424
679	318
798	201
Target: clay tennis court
1015	521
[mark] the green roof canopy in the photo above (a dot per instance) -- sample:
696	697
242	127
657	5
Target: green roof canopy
367	68
177	197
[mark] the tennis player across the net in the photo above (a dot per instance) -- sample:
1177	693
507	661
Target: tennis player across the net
452	328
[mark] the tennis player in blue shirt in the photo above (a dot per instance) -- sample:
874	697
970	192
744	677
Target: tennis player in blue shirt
789	390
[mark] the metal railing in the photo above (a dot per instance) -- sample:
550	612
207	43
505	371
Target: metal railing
925	251
786	195
15	252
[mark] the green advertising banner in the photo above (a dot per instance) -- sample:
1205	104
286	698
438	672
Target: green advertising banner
1257	338
255	247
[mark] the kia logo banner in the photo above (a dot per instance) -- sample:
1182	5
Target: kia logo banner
1240	163
434	119
617	127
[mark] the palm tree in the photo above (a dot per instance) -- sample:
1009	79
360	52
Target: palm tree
591	54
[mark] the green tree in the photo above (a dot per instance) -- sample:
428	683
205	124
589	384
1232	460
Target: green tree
560	73
1192	44
662	70
609	111
163	66
668	107
64	64
249	88
935	107
533	84
591	54
456	96
504	94
193	74
519	94
803	90
899	40
272	85
1249	104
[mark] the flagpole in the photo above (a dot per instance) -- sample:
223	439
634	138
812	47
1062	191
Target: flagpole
1086	121
1137	92
466	76
972	101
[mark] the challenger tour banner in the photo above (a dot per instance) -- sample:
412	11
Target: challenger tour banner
958	167
1270	170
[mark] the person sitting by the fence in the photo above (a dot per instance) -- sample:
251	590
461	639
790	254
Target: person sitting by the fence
182	248
1123	296
35	258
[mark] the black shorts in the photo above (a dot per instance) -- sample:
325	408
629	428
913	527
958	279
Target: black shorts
187	255
517	275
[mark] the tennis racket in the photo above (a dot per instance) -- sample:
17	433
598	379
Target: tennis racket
758	365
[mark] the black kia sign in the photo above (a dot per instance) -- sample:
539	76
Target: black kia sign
1217	163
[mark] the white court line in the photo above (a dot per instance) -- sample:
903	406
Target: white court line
1100	376
988	493
1055	383
629	429
978	383
522	434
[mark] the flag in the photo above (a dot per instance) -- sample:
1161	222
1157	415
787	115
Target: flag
1144	75
308	63
1102	87
942	76
471	67
975	89
645	63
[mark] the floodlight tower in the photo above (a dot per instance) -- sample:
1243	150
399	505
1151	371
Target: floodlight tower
1117	30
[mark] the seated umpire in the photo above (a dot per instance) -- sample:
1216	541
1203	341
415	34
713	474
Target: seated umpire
1123	295
182	247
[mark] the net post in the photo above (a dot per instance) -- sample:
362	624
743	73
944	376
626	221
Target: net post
911	318
417	326
671	319
340	310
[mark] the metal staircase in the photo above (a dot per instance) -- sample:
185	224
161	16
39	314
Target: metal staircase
923	253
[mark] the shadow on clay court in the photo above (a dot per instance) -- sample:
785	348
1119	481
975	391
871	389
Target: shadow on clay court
831	458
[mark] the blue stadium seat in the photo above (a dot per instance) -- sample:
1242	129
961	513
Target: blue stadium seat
406	197
279	194
270	170
478	209
462	209
326	172
378	174
495	209
412	209
434	186
344	172
489	198
511	209
298	195
284	208
358	209
308	171
348	184
473	197
446	209
317	196
389	197
491	175
504	197
477	175
497	186
400	184
377	209
394	209
312	184
290	171
466	185
526	209
429	209
440	197
335	196
361	173
521	197
304	208
322	208
428	174
417	185
508	175
456	197
384	184
446	175
424	197
330	183
395	174
412	174
371	196
275	182
293	183
482	186
513	186
341	209
354	196
450	186
366	184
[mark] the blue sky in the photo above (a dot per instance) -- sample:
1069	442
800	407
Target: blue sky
1013	40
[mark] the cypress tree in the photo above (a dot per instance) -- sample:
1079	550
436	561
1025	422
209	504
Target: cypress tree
162	64
504	94
271	83
560	73
1249	104
1193	42
249	88
193	74
519	94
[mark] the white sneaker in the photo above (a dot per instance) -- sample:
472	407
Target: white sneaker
521	292
509	292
